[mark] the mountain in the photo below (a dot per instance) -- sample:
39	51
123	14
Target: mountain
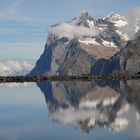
127	60
75	46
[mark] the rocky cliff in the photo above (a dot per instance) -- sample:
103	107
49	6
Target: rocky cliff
127	60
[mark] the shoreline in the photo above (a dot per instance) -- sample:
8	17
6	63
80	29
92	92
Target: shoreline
22	79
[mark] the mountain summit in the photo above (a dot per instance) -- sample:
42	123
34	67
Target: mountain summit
83	20
117	19
74	47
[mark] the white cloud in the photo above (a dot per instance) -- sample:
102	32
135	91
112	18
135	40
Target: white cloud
133	25
8	68
71	31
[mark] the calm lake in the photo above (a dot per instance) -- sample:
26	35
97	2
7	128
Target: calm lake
74	110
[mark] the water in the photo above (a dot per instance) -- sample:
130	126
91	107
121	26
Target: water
70	110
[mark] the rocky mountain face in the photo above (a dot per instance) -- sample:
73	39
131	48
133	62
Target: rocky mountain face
74	47
128	60
112	105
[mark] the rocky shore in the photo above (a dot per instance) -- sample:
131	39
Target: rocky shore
21	79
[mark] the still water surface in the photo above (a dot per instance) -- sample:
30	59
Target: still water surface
70	110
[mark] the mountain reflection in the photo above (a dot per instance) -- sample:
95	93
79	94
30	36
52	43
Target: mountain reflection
113	105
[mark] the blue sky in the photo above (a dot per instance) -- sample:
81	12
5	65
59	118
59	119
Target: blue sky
24	23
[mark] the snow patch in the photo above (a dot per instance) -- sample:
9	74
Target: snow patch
123	35
89	104
91	122
109	44
123	109
91	23
137	28
94	103
138	115
119	124
109	101
71	115
120	23
89	41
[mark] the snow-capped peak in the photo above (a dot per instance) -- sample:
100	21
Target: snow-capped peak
83	20
117	19
89	31
84	14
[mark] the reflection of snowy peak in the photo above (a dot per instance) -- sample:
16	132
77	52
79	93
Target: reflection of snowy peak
100	96
73	47
88	105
